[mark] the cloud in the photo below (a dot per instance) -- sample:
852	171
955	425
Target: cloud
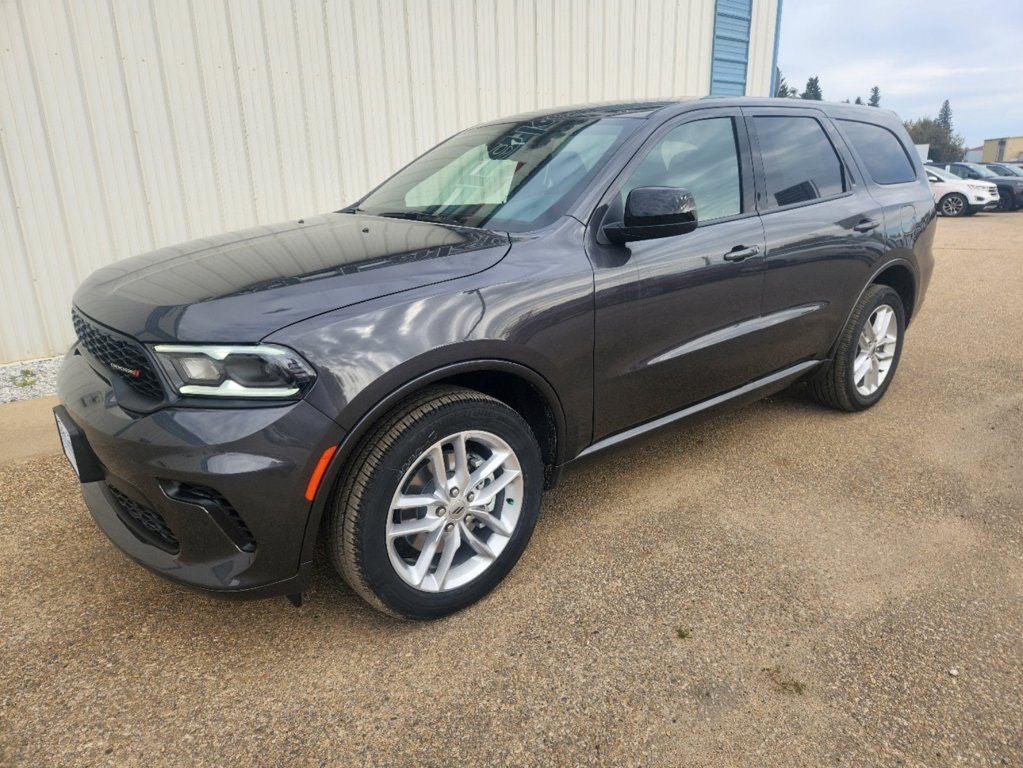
917	53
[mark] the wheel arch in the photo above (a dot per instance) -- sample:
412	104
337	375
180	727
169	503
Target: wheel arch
516	385
900	278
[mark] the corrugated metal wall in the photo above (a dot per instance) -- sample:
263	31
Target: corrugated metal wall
127	125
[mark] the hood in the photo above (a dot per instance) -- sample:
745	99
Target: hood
244	285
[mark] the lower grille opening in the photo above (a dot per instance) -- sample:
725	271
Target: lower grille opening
217	506
148	524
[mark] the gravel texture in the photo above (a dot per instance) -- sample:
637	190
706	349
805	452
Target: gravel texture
28	379
781	585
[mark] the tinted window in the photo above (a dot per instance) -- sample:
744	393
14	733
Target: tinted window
881	151
799	162
700	156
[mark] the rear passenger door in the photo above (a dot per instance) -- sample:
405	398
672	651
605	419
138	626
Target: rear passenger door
824	232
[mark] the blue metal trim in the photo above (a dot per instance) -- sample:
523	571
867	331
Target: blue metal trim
729	14
774	64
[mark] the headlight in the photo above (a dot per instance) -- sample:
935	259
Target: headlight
980	187
261	370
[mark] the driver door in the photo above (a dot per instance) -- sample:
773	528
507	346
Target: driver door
676	317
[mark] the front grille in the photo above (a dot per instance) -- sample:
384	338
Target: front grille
219	508
123	357
149	522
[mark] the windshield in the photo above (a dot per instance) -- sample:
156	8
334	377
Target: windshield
1007	170
513	177
981	170
945	175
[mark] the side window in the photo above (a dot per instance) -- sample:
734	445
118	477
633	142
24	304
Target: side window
701	156
881	151
957	170
800	164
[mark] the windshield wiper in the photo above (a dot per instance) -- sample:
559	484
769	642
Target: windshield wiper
435	218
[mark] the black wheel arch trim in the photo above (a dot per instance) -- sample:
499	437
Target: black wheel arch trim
367	419
900	262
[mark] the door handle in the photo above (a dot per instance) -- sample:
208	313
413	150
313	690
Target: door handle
740	252
866	225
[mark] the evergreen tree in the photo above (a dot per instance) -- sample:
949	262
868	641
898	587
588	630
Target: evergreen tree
858	101
875	97
946	146
782	90
945	116
813	89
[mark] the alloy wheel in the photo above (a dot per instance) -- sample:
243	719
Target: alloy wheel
875	350
454	511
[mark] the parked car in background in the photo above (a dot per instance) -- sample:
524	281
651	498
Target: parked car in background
954	196
405	376
1005	169
1010	188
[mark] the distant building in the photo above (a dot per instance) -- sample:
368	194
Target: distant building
1009	149
974	155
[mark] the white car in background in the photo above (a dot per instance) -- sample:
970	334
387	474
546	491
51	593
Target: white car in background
958	197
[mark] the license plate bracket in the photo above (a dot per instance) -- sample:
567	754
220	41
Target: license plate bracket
76	448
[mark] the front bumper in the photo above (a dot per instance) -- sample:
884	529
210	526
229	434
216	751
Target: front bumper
213	498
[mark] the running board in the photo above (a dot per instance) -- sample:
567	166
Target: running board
786	373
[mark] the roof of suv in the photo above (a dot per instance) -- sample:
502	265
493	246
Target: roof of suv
666	107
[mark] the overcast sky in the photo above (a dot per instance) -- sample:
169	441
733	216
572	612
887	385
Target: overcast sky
918	53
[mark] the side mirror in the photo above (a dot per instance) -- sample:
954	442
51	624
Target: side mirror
653	212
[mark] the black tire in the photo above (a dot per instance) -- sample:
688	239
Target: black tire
953	204
361	509
837	386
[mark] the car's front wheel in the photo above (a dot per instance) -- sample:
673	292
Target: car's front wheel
867	354
953	204
438	504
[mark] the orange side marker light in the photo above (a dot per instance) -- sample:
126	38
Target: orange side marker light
317	477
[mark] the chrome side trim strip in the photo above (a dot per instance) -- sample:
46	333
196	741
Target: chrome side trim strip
734	331
663	421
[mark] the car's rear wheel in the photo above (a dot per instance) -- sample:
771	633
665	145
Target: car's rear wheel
867	354
438	504
953	204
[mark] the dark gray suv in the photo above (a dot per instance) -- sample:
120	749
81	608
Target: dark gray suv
405	376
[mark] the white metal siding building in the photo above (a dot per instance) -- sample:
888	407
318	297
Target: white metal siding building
128	125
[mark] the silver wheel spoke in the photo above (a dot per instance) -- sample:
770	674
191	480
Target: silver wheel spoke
873	378
461	478
477	543
415	527
452	541
860	368
414	502
439	469
489	467
881	323
493	523
422	565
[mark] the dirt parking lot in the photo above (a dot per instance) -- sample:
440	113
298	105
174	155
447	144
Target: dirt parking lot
782	585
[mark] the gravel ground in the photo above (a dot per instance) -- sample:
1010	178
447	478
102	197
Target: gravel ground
28	379
781	585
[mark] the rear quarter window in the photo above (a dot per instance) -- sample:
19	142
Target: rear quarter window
881	151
